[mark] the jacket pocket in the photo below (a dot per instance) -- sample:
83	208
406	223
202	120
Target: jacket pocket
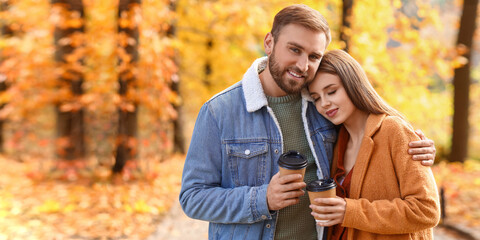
247	162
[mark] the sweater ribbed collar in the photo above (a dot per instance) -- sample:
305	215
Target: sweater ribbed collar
284	99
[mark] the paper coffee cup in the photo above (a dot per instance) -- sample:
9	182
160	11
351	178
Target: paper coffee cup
292	162
323	188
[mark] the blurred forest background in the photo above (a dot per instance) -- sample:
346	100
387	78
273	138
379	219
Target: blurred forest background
98	98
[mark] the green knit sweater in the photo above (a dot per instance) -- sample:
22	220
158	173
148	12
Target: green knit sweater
294	222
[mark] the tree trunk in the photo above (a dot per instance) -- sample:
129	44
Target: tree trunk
178	134
208	65
179	137
346	17
70	114
127	111
461	83
6	32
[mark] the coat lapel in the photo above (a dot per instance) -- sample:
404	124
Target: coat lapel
364	154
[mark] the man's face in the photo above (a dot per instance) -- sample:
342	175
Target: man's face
295	56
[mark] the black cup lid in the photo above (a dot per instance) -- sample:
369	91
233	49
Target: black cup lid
292	160
321	185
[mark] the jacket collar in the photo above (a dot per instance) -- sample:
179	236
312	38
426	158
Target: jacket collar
374	122
255	97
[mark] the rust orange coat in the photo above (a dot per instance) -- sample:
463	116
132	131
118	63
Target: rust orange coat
391	196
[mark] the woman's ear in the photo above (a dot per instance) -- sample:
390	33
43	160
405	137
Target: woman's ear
268	43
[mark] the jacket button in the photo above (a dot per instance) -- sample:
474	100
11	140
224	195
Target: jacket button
276	150
268	226
264	217
247	152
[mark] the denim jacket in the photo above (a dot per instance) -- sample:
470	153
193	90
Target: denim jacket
233	155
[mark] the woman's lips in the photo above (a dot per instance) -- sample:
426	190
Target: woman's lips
331	113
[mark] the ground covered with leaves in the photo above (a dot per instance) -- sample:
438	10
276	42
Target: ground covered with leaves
461	184
32	207
36	207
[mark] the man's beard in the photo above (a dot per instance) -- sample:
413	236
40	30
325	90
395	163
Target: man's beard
287	85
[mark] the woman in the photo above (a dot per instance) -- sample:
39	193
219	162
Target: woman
380	194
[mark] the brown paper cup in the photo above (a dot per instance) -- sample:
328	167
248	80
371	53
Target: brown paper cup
284	172
292	162
324	188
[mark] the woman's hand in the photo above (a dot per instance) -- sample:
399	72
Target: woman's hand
332	210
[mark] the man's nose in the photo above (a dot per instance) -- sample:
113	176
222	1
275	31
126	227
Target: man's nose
302	64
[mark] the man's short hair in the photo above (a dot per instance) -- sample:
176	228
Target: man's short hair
302	15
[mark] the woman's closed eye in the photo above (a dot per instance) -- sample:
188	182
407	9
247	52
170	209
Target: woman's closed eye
332	92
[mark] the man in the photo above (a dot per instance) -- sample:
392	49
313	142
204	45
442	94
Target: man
230	176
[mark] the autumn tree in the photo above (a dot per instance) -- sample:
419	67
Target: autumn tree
346	26
227	36
178	125
217	40
156	80
6	32
128	41
69	54
28	66
146	81
397	44
461	82
129	65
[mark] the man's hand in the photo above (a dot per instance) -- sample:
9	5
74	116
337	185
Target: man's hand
423	150
284	191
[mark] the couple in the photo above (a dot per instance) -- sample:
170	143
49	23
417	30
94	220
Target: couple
231	178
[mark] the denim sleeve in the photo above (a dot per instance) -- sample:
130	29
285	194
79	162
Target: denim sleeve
202	195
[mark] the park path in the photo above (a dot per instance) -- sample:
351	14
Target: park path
177	226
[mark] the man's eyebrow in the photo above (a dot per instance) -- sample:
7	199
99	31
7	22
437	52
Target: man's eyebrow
296	45
301	47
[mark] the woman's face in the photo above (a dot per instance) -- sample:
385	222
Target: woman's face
331	98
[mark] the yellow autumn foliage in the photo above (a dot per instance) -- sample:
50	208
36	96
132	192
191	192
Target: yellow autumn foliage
396	42
406	48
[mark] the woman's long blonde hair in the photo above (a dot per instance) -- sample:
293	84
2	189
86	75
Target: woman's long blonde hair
355	81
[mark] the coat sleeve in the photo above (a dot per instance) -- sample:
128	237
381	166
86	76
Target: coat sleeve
416	209
202	195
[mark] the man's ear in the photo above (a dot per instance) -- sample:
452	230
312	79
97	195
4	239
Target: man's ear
268	43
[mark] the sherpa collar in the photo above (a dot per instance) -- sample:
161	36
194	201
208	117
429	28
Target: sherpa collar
252	87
